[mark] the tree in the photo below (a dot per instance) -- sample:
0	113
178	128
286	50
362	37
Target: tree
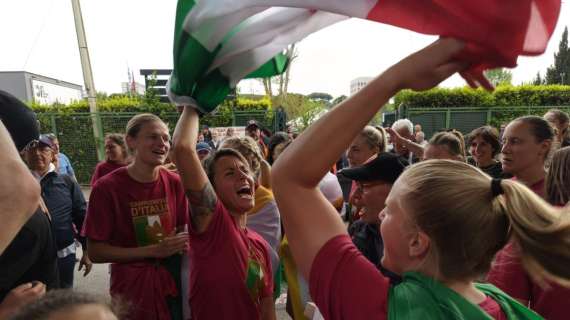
338	100
538	80
302	110
280	81
499	76
559	72
320	96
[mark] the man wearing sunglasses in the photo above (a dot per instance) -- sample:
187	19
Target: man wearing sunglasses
375	179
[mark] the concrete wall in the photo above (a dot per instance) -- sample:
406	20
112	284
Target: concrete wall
15	84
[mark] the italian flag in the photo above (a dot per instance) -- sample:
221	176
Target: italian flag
219	42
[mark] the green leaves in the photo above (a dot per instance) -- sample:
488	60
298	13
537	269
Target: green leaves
525	95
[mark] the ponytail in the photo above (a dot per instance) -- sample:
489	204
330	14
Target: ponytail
541	231
470	217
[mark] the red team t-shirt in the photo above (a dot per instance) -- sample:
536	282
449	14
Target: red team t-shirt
126	213
225	282
345	285
104	168
509	275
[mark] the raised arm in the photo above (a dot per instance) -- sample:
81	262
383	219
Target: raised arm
415	148
19	190
199	190
299	169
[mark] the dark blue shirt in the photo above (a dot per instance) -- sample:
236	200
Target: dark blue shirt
67	207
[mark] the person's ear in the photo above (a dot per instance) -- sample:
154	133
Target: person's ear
545	147
131	143
418	244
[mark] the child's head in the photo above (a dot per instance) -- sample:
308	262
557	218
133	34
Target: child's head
70	304
446	219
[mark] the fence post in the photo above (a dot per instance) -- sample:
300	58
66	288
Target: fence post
98	135
53	124
448	117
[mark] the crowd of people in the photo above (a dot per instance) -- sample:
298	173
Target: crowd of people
194	227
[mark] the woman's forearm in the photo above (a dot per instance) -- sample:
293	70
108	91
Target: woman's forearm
102	252
319	147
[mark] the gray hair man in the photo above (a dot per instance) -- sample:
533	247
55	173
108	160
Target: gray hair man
405	128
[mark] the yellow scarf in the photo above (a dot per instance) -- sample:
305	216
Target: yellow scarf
262	197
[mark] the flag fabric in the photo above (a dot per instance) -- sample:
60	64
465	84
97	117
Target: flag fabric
211	59
219	42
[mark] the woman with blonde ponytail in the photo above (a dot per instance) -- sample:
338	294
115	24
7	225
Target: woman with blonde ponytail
547	299
442	225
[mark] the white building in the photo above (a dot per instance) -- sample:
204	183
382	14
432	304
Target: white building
359	83
28	87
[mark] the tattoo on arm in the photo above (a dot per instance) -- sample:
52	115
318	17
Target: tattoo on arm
202	205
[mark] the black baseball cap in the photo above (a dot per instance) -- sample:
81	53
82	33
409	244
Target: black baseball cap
19	120
252	123
386	167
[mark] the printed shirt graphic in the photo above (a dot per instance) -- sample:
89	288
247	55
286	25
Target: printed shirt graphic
151	221
126	213
255	276
231	270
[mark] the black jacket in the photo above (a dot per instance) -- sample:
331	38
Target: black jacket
67	207
31	256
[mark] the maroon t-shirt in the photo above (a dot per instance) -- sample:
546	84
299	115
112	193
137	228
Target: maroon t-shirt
126	213
103	168
509	275
345	285
538	187
231	271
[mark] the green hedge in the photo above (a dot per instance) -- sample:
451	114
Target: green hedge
73	126
526	95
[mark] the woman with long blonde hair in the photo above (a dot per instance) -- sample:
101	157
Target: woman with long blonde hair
442	225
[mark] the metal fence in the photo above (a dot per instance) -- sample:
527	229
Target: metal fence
75	132
466	119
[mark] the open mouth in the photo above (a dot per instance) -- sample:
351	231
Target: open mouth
245	192
159	152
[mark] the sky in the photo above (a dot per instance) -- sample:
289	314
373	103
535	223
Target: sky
39	36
